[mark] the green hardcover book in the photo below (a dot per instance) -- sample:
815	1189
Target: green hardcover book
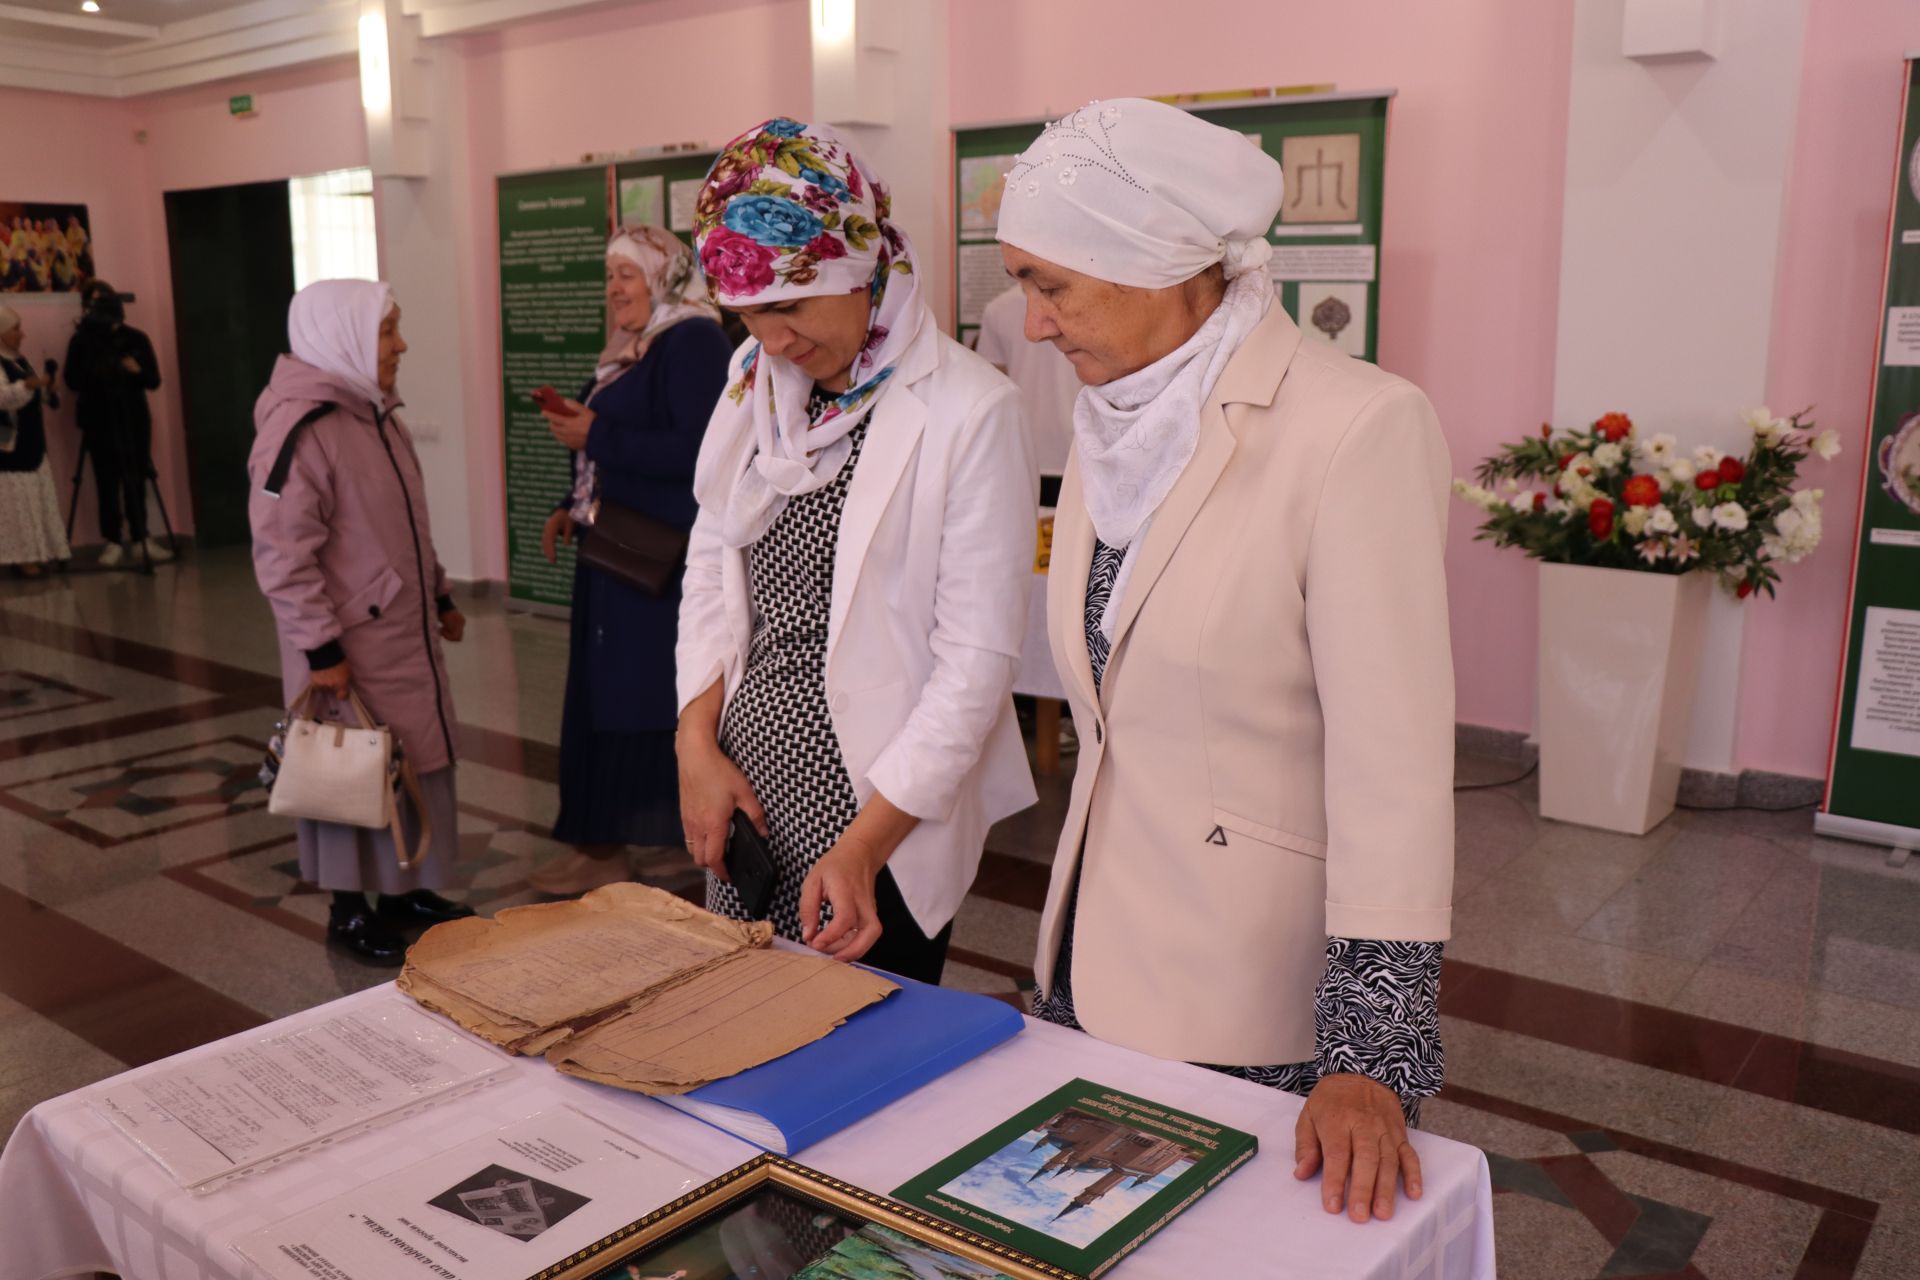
1082	1177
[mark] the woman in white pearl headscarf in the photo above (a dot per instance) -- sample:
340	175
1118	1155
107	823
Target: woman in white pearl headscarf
1247	605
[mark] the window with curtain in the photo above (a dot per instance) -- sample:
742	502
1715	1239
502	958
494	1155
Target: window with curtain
333	235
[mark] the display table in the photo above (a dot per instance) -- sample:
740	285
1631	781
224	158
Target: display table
80	1197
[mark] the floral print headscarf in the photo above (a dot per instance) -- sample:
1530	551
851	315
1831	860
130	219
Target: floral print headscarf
789	212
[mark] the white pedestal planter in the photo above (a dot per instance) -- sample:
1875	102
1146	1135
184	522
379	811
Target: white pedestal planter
1619	651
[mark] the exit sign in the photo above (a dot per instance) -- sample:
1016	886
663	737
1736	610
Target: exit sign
241	104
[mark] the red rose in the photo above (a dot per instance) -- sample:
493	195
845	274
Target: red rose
1732	470
1559	490
1565	458
1614	426
826	247
739	267
1539	502
1584	471
1707	480
1742	591
1600	518
1641	491
1546	431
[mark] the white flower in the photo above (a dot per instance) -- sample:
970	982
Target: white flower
1683	549
1652	551
1827	445
1659	451
1635	521
1706	457
1766	428
1557	507
1485	499
1681	470
1703	516
1660	520
1608	456
1808	500
1521	502
1730	516
1796	531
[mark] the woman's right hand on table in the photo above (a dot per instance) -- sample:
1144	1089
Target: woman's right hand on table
334	679
711	788
559	528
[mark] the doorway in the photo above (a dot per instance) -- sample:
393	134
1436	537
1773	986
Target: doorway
232	255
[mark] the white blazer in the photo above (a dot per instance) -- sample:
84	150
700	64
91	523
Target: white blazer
930	587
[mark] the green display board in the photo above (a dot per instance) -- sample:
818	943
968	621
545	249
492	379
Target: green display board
1873	778
1326	263
553	324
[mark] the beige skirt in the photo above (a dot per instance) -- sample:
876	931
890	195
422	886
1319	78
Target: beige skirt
32	530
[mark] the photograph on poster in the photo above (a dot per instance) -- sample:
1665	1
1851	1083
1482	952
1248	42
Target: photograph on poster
643	200
682	196
44	248
1322	177
1899	462
1335	311
510	1202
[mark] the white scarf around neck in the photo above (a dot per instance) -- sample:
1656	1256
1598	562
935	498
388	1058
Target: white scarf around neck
1137	433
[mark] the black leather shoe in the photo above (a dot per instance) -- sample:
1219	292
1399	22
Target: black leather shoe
422	906
362	933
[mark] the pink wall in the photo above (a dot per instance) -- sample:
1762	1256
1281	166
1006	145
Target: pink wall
81	150
1471	253
84	150
606	80
1826	317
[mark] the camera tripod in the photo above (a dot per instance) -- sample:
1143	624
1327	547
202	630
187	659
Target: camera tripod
152	486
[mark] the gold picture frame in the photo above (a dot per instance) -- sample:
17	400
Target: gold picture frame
795	1223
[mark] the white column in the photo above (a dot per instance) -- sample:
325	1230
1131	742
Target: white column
880	77
412	92
1677	162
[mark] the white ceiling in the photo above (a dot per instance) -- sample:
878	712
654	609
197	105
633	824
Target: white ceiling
134	47
155	13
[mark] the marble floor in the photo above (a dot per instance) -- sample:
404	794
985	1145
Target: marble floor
1694	1054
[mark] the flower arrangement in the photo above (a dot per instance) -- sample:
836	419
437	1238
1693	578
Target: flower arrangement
1617	500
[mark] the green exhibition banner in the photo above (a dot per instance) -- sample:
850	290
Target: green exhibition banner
553	324
1326	242
661	190
1873	777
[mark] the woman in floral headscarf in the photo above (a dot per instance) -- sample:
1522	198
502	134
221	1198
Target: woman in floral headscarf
635	432
856	589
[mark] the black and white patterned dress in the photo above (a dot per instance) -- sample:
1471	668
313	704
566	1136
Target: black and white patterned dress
1376	1009
778	728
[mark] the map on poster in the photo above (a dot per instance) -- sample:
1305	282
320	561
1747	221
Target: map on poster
643	200
983	181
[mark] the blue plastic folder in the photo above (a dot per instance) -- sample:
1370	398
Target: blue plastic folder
879	1055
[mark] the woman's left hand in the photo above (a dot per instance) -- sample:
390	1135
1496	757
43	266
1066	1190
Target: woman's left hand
453	626
570	428
842	879
1355	1128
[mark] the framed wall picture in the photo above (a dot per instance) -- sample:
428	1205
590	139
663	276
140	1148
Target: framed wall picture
772	1219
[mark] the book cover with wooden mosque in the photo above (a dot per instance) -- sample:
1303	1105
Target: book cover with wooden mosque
1082	1177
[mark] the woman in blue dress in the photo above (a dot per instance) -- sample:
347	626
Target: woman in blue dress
635	433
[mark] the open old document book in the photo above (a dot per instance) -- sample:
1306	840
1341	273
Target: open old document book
632	987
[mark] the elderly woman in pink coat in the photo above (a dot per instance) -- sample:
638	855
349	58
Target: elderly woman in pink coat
342	550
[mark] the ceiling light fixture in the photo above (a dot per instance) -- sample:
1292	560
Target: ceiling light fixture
89	6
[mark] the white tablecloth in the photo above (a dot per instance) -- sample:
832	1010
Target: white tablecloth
76	1196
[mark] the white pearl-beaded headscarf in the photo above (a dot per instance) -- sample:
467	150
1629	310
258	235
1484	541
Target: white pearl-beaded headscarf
1140	193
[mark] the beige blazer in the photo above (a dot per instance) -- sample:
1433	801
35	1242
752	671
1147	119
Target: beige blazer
1270	759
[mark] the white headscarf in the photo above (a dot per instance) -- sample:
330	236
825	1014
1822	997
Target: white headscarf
335	325
1147	195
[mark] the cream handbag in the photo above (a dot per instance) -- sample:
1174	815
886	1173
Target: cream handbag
346	774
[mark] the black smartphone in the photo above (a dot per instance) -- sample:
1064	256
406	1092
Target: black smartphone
750	867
